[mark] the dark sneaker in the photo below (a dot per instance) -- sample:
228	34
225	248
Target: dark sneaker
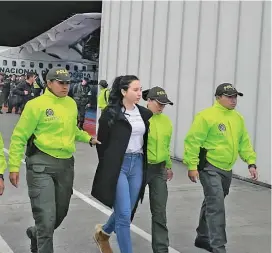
203	245
33	239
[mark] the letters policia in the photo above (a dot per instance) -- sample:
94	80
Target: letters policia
48	126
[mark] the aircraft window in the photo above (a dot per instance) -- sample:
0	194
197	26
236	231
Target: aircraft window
31	64
67	67
41	65
59	65
14	63
22	64
5	63
84	68
76	68
50	66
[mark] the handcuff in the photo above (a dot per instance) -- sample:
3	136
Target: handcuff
252	166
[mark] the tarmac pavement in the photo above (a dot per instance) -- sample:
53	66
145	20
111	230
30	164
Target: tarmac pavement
248	208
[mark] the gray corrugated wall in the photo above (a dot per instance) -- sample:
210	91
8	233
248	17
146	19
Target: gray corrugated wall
189	48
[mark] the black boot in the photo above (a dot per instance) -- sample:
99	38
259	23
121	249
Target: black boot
31	235
203	245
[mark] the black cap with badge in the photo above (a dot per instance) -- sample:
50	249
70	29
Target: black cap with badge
227	89
158	94
58	74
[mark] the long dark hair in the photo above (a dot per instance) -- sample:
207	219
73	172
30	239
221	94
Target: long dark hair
116	97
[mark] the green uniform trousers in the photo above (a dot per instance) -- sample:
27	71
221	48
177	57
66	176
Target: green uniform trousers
212	222
50	187
158	195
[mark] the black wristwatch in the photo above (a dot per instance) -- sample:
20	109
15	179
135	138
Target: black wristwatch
2	176
252	166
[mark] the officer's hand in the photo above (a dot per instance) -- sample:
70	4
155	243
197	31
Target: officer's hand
169	174
2	186
253	172
14	178
94	141
193	175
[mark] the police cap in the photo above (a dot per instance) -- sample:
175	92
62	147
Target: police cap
59	74
158	94
227	89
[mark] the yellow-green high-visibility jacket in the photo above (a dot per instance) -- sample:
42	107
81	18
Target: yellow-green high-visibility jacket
53	121
223	133
159	138
36	86
3	164
102	102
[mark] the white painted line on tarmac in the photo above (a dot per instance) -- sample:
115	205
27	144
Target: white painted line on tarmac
4	248
108	212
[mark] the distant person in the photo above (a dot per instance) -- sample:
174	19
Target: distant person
25	89
14	100
48	128
103	96
211	147
3	91
81	94
38	87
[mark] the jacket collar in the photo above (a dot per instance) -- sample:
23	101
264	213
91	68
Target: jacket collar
218	106
48	93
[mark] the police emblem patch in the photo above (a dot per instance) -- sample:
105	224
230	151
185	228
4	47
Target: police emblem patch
49	112
222	127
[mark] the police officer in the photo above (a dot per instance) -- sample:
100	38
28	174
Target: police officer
81	94
216	138
25	89
3	165
5	90
13	100
48	127
159	165
37	86
103	96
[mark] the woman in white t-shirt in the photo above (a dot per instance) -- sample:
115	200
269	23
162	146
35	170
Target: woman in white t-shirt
121	173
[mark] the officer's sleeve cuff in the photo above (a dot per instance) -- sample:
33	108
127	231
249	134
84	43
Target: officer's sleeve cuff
251	162
192	167
13	169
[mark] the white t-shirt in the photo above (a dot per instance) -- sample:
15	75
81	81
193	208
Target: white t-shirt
136	140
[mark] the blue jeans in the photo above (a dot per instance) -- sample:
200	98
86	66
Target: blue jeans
127	192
